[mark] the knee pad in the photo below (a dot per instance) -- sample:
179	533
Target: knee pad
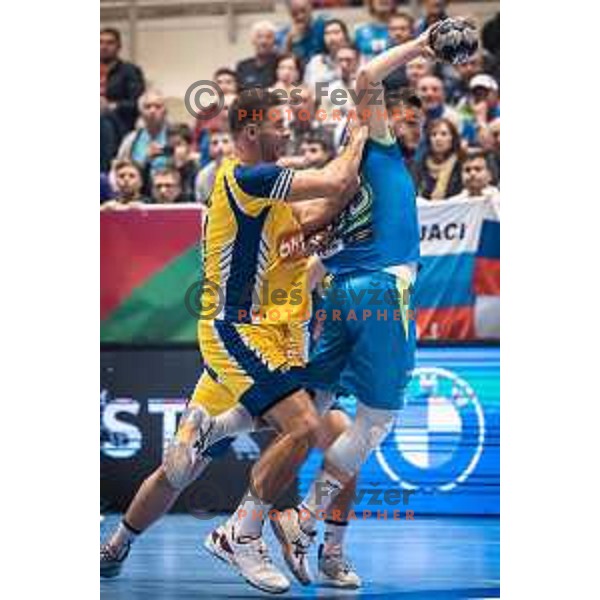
182	463
352	448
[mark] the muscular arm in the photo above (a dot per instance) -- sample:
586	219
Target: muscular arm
333	179
369	82
314	215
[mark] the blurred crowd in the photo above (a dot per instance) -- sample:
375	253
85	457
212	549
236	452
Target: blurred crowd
450	137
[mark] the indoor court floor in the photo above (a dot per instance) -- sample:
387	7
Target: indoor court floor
428	558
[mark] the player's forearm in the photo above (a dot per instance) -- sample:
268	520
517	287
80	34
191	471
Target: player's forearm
344	169
314	215
378	68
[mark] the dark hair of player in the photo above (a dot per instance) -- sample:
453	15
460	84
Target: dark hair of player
251	106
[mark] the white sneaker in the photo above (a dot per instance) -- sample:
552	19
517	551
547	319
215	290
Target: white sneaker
336	571
249	556
295	544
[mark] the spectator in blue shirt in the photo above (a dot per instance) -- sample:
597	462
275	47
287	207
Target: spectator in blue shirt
372	38
147	145
305	36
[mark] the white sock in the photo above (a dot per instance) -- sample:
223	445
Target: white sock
334	535
122	536
322	492
249	516
230	423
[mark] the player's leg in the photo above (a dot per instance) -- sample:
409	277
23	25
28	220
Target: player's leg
379	368
334	567
184	461
297	420
267	386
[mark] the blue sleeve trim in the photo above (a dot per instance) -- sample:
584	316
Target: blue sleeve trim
264	180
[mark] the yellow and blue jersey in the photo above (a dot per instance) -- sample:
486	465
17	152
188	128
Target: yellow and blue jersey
254	257
254	247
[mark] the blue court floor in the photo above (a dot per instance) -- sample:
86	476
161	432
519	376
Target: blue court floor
428	558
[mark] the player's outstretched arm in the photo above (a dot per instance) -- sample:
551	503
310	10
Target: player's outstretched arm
336	177
369	87
314	215
379	67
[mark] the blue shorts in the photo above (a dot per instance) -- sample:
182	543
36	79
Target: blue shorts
367	340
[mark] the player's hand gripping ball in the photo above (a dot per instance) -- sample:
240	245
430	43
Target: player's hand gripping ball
454	40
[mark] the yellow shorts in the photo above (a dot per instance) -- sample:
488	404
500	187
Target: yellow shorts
252	364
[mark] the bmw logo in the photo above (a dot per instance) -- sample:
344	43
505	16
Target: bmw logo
438	437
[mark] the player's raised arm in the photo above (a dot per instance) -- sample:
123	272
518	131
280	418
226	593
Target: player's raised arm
336	177
369	87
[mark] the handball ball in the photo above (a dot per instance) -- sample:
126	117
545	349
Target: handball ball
454	40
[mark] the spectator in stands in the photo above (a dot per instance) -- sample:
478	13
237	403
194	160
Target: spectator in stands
289	74
221	146
166	186
476	177
400	28
431	92
406	112
400	31
457	93
147	145
128	183
480	109
227	80
322	67
316	151
334	107
433	11
259	70
372	38
416	69
304	37
302	120
204	127
438	172
180	147
121	84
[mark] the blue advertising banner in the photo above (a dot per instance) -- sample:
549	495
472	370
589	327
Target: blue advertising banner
443	455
